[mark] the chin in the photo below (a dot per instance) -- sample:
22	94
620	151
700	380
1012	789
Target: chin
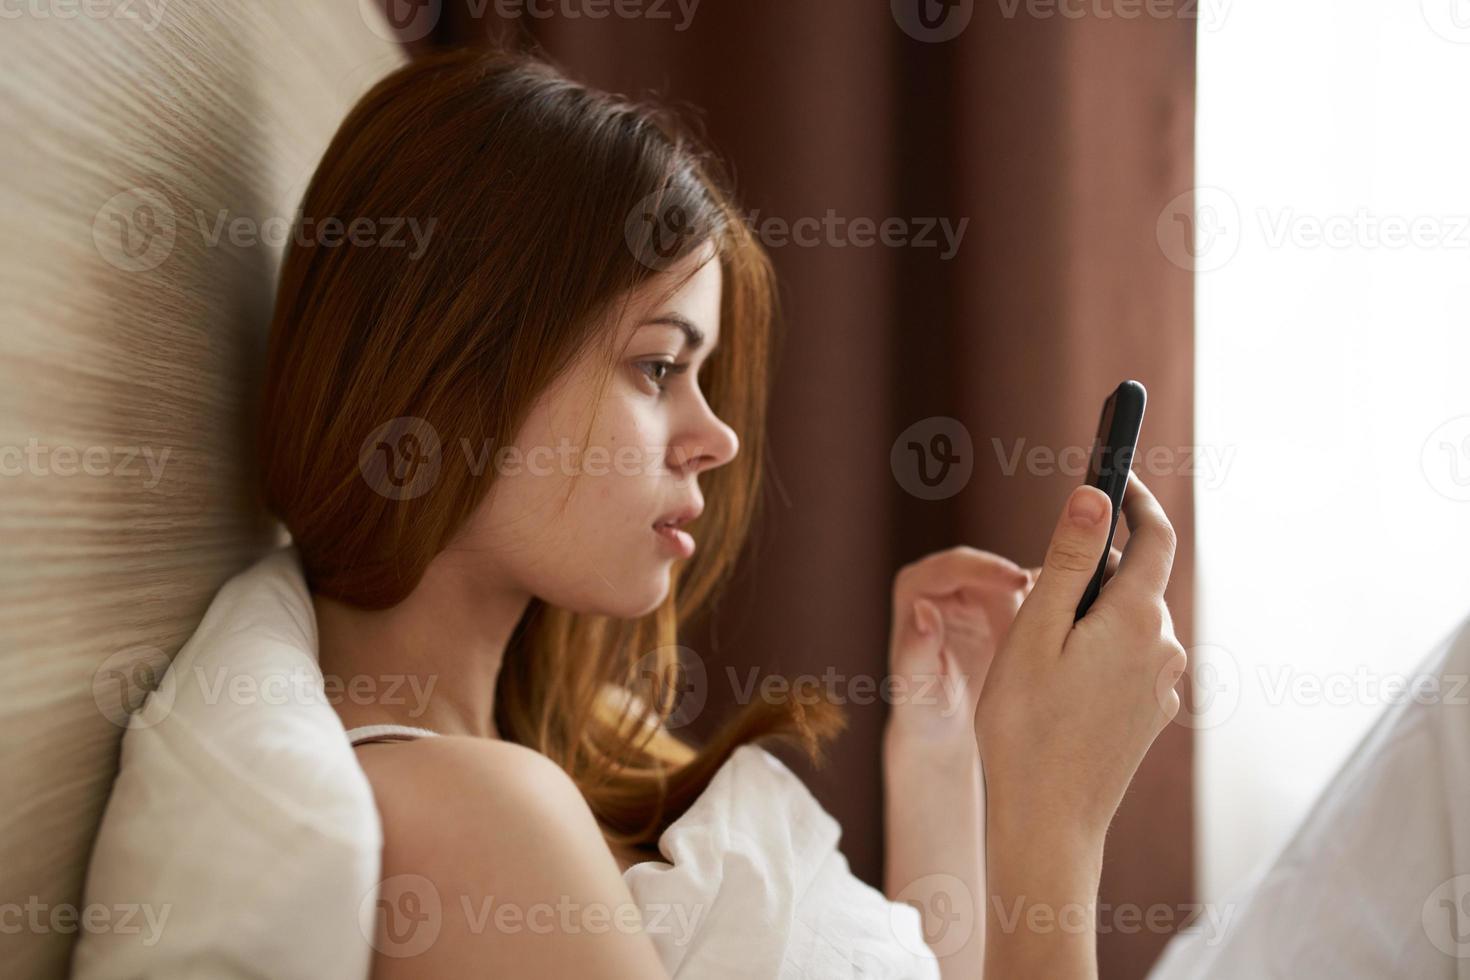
642	602
625	598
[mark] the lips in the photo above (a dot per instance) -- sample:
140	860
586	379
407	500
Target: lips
680	517
670	529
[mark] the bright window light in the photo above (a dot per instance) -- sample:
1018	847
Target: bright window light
1332	246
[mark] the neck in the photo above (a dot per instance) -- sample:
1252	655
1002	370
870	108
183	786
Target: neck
432	661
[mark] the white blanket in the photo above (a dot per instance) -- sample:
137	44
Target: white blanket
1376	881
242	834
756	887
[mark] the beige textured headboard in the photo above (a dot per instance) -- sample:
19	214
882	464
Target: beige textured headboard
131	131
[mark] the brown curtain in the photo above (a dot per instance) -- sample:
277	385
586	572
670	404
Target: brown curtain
1062	139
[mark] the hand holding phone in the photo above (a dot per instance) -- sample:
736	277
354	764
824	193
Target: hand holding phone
1110	463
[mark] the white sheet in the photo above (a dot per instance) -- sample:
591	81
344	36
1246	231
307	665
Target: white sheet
755	886
244	827
1376	881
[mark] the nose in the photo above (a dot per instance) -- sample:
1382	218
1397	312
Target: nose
708	443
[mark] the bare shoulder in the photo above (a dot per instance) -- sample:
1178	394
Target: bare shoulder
409	774
492	859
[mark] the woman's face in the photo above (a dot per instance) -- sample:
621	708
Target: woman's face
572	517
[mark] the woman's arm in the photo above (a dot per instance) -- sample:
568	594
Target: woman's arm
1042	893
934	854
950	611
493	865
1067	713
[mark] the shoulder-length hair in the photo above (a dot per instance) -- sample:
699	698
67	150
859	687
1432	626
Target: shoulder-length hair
550	202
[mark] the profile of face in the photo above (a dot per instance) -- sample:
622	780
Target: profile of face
573	516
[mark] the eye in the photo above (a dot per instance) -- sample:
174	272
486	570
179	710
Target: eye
663	369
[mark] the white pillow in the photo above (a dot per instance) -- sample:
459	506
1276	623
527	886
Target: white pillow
241	837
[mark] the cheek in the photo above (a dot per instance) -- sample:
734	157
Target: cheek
586	495
626	450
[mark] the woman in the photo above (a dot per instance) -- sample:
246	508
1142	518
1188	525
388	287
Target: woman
514	463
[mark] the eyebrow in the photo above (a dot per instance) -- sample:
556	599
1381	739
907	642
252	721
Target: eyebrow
693	336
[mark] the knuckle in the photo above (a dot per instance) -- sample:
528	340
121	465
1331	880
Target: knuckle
1175	661
1070	556
1148	620
1167	660
1158	619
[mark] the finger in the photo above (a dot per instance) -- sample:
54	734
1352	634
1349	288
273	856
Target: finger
1071	560
921	637
928	620
1148	559
1114	557
947	571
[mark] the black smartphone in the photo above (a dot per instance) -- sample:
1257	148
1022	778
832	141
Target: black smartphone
1110	463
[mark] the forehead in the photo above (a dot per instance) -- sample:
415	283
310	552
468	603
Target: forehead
687	292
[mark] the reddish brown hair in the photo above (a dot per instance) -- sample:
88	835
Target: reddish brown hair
531	180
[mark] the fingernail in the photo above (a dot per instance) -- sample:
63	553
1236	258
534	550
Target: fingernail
1086	509
920	621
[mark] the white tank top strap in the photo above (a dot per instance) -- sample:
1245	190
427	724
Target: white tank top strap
364	734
